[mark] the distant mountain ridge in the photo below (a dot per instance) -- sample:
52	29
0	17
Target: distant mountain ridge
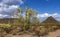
50	20
11	20
7	20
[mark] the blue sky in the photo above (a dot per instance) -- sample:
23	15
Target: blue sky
45	8
50	6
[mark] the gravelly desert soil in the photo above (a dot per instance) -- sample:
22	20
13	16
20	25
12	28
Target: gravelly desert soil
24	35
54	34
51	34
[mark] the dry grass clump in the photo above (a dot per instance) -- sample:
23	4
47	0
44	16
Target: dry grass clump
39	30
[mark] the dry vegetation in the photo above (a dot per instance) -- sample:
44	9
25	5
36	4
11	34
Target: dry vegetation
33	30
24	27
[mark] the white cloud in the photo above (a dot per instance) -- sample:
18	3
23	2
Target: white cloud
3	15
14	6
47	15
9	6
43	16
12	2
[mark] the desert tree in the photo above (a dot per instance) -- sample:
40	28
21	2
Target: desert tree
18	18
30	13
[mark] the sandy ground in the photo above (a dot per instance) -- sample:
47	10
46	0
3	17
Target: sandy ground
24	35
54	34
51	34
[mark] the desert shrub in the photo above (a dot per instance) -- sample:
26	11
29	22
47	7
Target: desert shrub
32	28
2	32
14	33
41	31
7	29
27	27
5	25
